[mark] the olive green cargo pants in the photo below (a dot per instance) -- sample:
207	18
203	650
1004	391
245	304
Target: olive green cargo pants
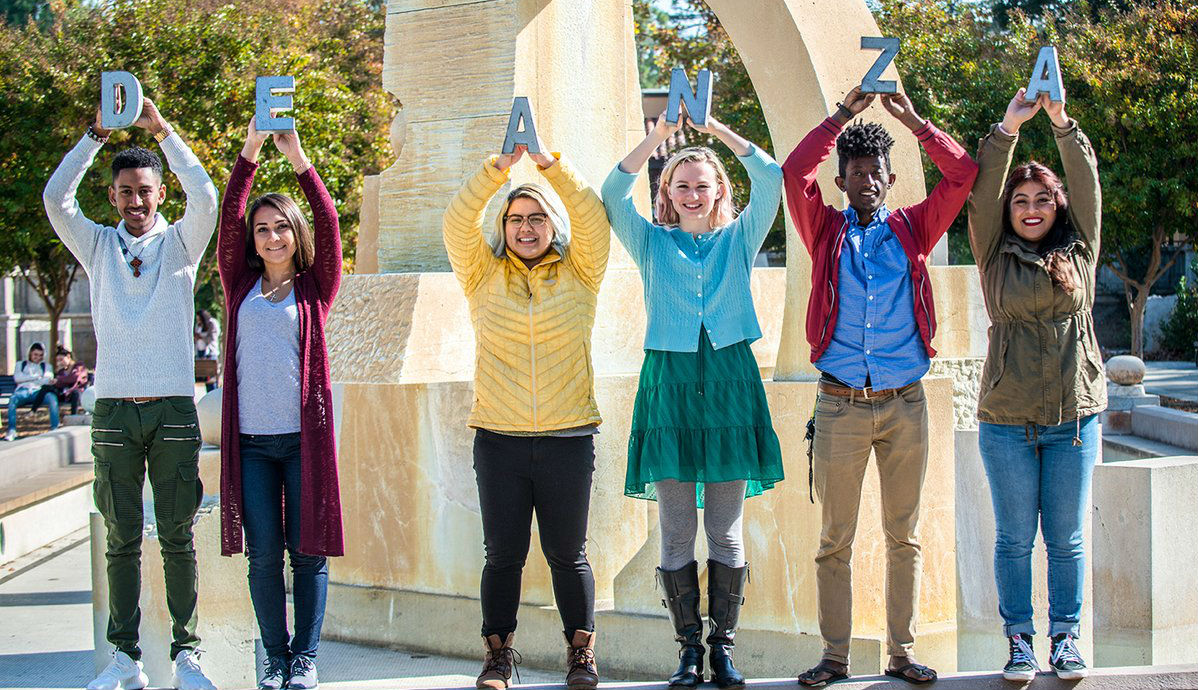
162	438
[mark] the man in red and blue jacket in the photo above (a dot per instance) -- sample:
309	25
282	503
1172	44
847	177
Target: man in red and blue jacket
870	323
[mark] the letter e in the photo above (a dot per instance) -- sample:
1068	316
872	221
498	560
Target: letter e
272	95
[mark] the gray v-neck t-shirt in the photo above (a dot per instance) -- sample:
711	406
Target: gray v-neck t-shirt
268	365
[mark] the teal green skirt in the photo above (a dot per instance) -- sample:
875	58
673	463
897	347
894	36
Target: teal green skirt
702	417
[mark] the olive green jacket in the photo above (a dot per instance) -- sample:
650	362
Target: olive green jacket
1043	364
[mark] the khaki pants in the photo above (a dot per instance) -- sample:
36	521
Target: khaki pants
896	429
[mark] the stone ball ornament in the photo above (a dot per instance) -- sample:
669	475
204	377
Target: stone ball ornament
1125	370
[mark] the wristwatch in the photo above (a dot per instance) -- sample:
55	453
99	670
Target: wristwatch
163	134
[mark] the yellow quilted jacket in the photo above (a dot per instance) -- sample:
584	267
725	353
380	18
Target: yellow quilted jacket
532	327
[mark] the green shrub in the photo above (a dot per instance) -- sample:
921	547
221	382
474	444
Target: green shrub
1180	331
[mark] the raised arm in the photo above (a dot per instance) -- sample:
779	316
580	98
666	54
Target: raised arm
590	233
76	231
1081	175
200	214
231	240
462	226
804	200
327	263
931	218
995	151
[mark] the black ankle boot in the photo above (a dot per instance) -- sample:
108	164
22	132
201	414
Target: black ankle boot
680	592
725	595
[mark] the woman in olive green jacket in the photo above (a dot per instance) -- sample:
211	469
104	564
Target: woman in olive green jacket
1042	386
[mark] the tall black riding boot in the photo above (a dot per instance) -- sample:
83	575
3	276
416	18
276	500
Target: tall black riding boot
680	592
725	595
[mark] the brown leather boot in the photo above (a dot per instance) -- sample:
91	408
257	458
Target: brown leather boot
498	663
581	672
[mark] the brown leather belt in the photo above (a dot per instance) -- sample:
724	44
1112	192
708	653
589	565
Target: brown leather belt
139	401
859	393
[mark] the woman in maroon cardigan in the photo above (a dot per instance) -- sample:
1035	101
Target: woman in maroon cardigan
277	445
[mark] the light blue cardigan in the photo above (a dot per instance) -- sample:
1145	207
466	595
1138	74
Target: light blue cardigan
693	283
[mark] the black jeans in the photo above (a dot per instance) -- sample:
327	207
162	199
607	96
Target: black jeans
551	475
270	499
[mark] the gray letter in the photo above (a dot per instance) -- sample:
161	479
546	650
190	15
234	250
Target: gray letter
120	100
272	95
698	102
1046	77
521	112
889	47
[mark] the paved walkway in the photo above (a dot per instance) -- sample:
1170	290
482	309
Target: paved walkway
46	622
46	635
1174	379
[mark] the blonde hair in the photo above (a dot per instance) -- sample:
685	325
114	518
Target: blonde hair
722	213
559	220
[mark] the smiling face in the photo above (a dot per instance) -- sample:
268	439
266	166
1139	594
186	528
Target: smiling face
694	190
62	361
526	229
865	182
274	238
36	355
136	193
1032	210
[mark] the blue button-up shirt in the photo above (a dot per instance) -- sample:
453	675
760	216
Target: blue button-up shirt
876	336
697	281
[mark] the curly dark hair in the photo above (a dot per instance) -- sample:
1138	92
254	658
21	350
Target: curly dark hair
134	158
863	140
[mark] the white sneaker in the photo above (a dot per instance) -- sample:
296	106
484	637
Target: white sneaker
11	435
187	675
122	673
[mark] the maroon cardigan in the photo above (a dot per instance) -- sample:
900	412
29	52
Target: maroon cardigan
315	288
918	228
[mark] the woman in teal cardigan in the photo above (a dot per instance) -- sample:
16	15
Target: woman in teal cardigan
701	430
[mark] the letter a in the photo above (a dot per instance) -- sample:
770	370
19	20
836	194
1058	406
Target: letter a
272	95
1046	77
521	113
120	100
889	47
698	101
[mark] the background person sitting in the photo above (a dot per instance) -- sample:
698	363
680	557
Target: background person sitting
70	380
30	375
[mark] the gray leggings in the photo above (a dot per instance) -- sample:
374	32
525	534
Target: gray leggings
723	514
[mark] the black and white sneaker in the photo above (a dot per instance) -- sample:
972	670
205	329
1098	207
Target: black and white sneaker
274	673
1065	658
1022	665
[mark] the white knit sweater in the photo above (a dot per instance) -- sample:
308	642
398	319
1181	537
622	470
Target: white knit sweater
143	324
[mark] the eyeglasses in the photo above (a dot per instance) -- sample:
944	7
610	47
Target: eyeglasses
534	220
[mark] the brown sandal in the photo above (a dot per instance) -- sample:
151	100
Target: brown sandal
808	677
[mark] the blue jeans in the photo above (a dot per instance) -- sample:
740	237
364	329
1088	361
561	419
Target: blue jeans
270	482
21	397
1038	477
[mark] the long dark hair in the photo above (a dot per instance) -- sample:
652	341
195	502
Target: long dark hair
305	245
1055	243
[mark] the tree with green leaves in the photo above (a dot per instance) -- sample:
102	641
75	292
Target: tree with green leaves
198	62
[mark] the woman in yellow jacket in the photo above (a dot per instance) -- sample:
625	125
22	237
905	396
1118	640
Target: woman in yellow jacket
532	289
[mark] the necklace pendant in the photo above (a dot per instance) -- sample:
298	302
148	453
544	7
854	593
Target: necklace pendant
136	264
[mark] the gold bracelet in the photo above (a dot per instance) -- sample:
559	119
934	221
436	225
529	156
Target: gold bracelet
163	134
302	167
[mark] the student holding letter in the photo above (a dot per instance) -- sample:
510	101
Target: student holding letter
278	453
870	322
1043	384
702	436
532	287
142	274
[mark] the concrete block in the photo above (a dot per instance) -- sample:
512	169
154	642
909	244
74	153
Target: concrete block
1165	424
32	526
1146	603
33	455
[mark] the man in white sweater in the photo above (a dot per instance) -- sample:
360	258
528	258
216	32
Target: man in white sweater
142	274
